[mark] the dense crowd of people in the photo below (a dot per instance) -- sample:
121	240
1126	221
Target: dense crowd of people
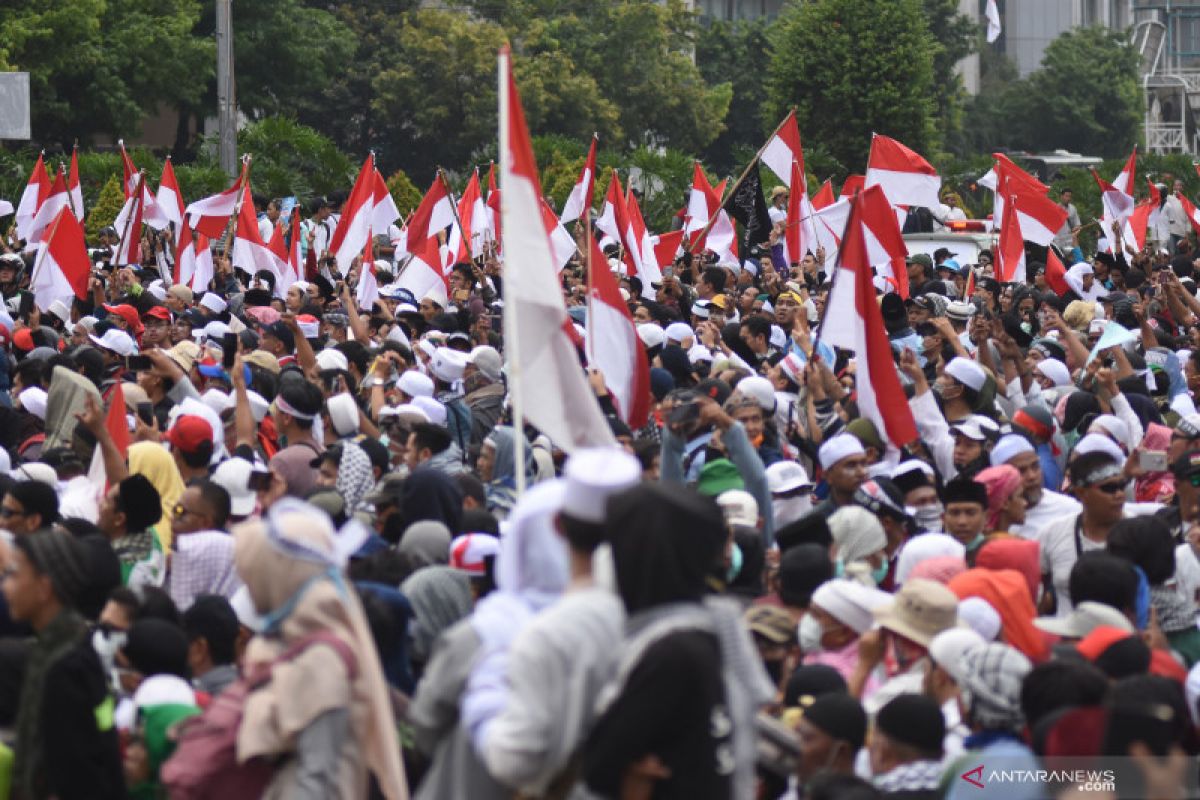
262	543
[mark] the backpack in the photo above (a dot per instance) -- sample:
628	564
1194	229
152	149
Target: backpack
204	765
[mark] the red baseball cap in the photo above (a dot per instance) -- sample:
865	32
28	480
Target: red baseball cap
158	312
189	433
125	312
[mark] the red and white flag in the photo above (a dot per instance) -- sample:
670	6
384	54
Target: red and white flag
1040	217
152	215
294	262
115	420
367	292
58	199
250	252
210	216
1127	179
667	246
613	346
907	178
74	187
1011	261
493	207
472	217
647	265
784	148
853	320
543	367
824	196
1134	232
1056	273
203	268
424	275
853	185
62	267
799	218
1188	208
129	226
185	256
168	197
703	202
354	225
579	202
562	243
884	242
384	211
37	189
433	215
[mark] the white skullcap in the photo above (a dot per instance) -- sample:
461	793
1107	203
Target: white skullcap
966	372
343	414
850	603
403	409
1055	370
1009	447
1099	443
1113	426
839	447
397	334
758	389
215	399
593	475
332	359
923	546
157	292
415	384
699	353
678	331
59	309
36	471
447	365
215	331
213	303
979	614
33	400
856	532
432	408
739	507
948	647
259	407
233	475
778	337
243	607
651	335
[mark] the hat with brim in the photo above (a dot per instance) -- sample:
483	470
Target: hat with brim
921	610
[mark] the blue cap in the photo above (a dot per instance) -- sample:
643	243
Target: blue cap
217	371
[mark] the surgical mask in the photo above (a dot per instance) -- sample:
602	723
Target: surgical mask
384	439
929	517
809	634
790	509
880	573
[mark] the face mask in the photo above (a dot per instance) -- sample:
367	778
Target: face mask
790	509
880	572
929	517
735	563
809	634
384	439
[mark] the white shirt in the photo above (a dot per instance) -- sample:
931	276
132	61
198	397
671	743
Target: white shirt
1051	507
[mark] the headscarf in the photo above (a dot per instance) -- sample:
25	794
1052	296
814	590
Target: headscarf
504	471
1002	482
1022	555
1006	591
923	546
355	477
66	397
532	571
991	686
939	568
430	494
290	565
857	533
152	460
440	596
426	542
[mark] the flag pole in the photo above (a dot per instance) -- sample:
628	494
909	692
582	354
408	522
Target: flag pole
511	340
590	338
231	233
137	198
712	218
454	208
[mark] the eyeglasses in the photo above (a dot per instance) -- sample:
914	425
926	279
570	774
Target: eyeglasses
6	512
1112	487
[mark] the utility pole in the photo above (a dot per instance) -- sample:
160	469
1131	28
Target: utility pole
226	100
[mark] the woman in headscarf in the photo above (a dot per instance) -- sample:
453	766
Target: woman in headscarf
425	494
355	477
497	467
426	542
1155	487
327	722
1022	555
1006	501
859	544
465	684
440	596
152	460
686	662
1006	591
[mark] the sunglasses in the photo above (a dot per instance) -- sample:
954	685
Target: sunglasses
1112	487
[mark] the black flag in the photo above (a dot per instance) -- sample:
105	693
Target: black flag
749	207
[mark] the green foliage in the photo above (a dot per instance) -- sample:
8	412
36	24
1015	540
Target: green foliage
854	68
293	159
101	215
404	192
1085	97
98	67
735	52
954	36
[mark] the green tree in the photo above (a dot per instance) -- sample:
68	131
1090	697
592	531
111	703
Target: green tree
736	52
112	197
853	68
1085	96
954	37
98	67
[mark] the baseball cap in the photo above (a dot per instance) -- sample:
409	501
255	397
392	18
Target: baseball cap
233	475
977	428
114	340
468	553
786	476
189	433
739	507
282	332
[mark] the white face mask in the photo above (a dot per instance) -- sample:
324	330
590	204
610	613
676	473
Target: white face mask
809	633
790	509
929	517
